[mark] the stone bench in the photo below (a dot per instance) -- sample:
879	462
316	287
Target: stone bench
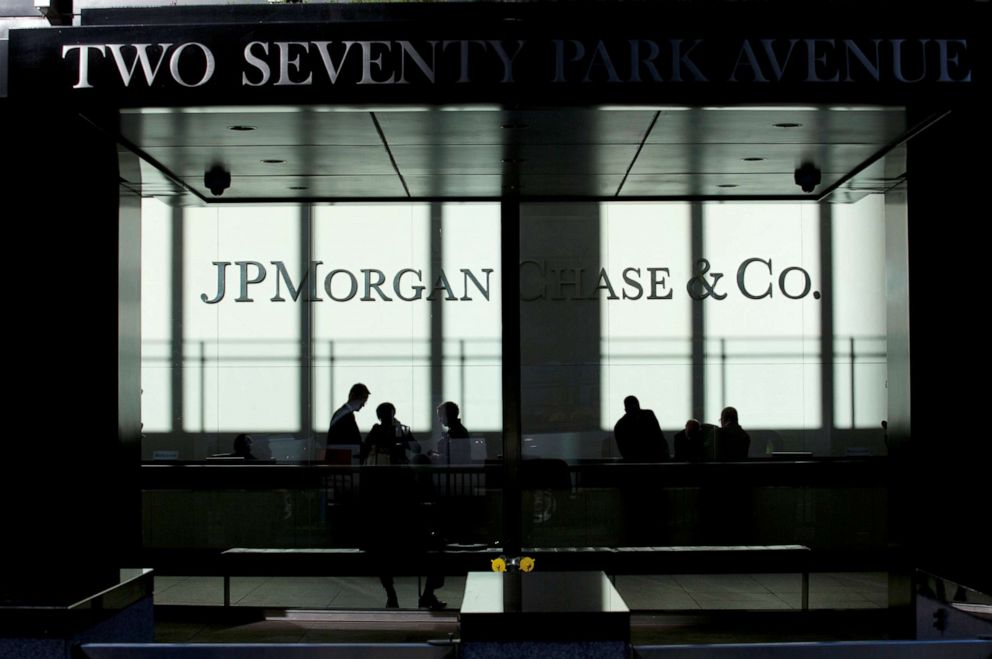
459	560
707	559
347	561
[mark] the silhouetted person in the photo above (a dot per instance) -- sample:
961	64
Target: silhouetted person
242	447
689	443
644	501
454	446
344	428
638	434
726	505
392	512
732	443
389	440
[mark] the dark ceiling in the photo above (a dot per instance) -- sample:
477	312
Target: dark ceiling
332	153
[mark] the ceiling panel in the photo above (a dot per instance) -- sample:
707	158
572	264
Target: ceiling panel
544	185
150	180
479	126
536	185
292	188
479	152
779	126
473	126
296	160
526	158
430	159
741	158
153	127
884	174
720	185
455	185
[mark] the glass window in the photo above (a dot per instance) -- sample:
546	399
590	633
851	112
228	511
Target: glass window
473	328
260	318
646	318
860	344
406	298
156	318
241	354
372	257
762	340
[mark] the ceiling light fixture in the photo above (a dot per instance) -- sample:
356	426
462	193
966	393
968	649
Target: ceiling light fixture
808	176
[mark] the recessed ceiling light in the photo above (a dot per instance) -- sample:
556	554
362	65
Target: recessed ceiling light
272	161
241	128
787	124
753	159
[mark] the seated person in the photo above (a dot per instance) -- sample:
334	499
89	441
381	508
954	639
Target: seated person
689	443
389	440
242	449
732	442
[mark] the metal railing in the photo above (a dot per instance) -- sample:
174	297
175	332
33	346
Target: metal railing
721	353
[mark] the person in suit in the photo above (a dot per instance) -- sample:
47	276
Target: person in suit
344	427
395	525
645	504
726	505
242	447
689	443
638	434
389	441
732	442
453	447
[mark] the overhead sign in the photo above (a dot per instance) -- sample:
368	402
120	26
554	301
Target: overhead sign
419	62
375	62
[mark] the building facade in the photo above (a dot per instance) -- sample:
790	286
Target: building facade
238	211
